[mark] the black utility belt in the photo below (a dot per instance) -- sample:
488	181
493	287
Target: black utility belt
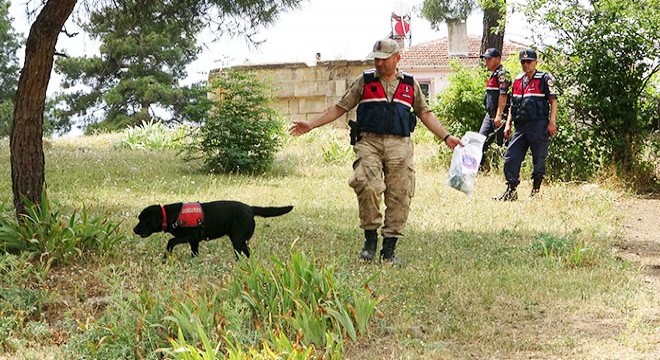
527	121
372	134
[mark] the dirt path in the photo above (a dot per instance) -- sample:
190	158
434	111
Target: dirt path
641	236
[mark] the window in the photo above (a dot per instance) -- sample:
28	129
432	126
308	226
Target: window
426	87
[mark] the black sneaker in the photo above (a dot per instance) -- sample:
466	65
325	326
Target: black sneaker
534	193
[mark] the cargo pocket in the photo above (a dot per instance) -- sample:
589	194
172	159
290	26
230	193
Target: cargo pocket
359	178
411	180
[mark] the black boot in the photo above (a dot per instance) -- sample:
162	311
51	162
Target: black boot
370	243
536	187
387	254
510	194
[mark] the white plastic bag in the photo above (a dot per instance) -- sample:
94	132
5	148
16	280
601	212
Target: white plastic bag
465	162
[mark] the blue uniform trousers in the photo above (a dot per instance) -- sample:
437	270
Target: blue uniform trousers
530	135
487	128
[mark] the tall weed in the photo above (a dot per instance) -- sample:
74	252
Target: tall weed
572	253
54	238
152	136
305	306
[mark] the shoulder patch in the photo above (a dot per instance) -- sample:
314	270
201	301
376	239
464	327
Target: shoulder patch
369	76
408	79
550	80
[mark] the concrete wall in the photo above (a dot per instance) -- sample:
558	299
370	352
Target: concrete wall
302	91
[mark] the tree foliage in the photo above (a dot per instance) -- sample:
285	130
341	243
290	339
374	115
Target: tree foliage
605	55
228	17
10	42
442	11
145	48
494	18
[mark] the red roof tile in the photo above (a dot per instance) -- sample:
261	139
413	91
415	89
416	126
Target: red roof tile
434	54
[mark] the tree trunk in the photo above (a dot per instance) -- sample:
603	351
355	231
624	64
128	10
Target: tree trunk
26	146
491	20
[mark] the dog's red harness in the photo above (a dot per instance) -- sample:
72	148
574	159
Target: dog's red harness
162	210
191	215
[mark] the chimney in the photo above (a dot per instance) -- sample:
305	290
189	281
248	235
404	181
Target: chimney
458	39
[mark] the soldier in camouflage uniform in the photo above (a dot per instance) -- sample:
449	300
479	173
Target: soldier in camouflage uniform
389	102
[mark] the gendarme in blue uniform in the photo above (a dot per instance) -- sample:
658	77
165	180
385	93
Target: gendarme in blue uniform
498	84
530	109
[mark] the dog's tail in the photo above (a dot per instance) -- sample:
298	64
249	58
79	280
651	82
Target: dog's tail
270	211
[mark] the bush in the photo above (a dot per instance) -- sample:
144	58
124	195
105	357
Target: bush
461	107
242	134
573	144
293	308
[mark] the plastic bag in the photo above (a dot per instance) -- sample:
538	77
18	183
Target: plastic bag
465	162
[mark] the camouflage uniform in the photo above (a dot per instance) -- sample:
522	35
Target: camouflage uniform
384	164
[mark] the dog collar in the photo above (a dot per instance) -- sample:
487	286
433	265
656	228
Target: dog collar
162	210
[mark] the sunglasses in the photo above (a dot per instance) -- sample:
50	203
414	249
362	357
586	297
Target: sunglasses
526	61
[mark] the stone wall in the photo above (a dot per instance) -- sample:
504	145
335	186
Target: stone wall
303	91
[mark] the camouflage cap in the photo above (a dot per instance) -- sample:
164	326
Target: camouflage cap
383	49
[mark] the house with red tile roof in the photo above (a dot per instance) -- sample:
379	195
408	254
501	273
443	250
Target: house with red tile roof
303	91
429	62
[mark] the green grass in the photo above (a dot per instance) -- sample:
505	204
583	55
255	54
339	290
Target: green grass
483	279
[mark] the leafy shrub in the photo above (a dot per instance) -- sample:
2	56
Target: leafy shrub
308	301
241	134
460	106
152	136
572	145
53	237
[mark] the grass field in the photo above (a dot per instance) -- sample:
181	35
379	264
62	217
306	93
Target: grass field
482	279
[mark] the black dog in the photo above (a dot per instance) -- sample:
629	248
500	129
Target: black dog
193	222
